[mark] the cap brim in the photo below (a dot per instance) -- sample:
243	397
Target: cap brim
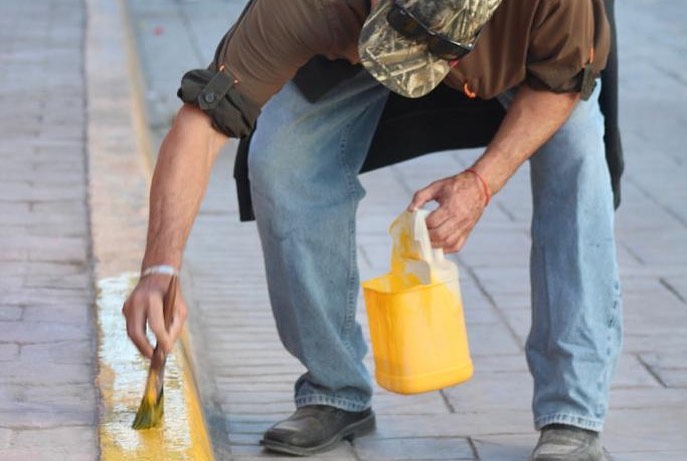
402	65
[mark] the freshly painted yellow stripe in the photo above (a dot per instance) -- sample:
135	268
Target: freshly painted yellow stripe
121	379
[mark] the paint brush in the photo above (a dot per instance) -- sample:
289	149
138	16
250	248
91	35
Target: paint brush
151	409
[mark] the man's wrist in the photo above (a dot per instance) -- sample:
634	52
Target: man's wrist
484	186
159	269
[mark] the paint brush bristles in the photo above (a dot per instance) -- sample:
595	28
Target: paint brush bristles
151	409
152	405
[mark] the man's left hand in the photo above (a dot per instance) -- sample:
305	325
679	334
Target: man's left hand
461	203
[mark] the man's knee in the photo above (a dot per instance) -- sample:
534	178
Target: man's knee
277	162
262	161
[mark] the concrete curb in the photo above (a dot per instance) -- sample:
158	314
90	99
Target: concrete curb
120	175
203	388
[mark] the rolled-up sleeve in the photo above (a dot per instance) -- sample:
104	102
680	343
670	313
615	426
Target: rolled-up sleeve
566	37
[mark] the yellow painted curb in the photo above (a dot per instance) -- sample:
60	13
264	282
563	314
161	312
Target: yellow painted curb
121	380
122	371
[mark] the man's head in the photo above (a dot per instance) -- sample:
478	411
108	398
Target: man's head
409	45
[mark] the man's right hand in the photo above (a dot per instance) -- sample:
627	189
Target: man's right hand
143	308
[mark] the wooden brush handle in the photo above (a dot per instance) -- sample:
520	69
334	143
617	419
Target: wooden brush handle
169	301
157	363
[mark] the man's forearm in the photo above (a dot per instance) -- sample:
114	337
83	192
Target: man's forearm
179	182
533	117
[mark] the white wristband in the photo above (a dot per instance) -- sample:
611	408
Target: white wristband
162	269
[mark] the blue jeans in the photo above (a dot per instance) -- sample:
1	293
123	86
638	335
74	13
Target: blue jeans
304	164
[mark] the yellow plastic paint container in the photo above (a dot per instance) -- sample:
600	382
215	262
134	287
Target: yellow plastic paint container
416	319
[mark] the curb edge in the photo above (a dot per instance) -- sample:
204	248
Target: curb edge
141	126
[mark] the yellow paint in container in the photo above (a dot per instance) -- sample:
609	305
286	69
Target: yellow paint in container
415	314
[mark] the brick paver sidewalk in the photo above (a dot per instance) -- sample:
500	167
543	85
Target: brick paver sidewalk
47	332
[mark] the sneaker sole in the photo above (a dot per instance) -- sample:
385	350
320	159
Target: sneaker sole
357	429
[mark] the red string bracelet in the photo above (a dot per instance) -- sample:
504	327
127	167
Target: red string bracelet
485	186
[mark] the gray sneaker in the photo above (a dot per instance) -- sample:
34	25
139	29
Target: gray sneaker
568	443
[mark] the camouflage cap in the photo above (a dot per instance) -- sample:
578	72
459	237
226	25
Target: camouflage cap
406	66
